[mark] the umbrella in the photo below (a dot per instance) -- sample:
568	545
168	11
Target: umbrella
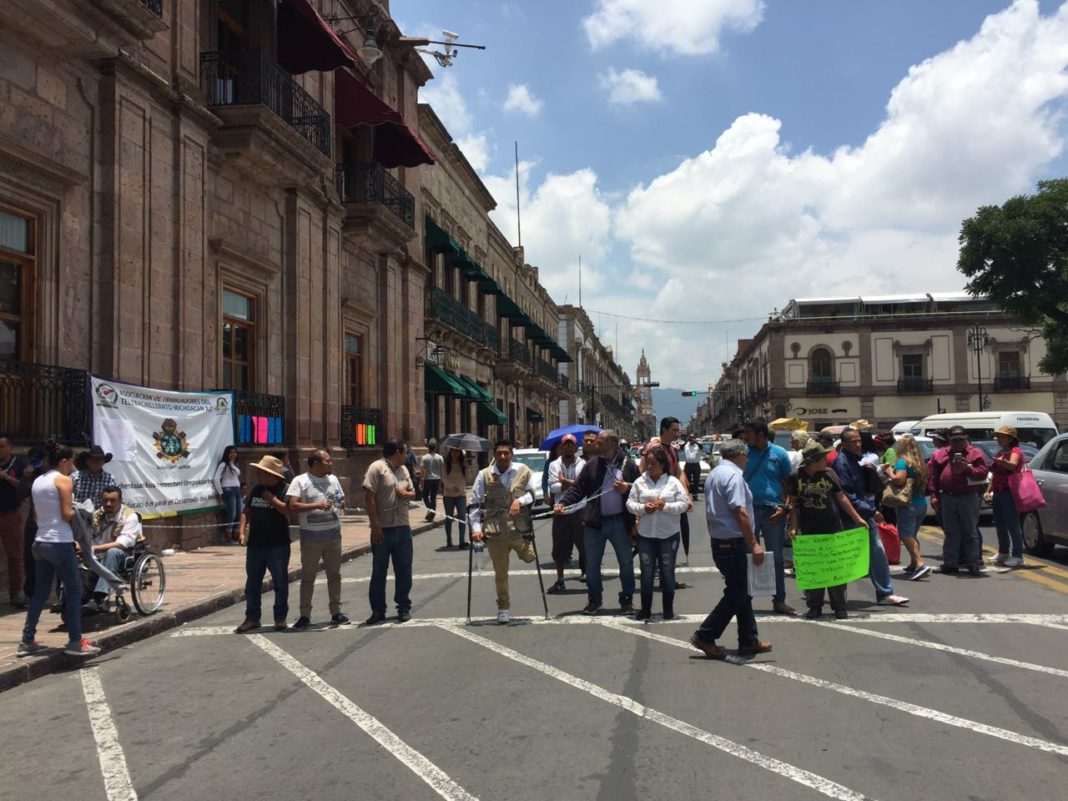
578	429
466	442
788	424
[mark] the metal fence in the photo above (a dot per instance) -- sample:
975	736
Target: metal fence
39	402
361	426
371	183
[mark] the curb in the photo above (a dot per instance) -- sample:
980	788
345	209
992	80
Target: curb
30	668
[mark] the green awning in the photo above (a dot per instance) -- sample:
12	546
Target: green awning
490	415
482	393
534	415
506	307
561	355
441	382
438	239
488	286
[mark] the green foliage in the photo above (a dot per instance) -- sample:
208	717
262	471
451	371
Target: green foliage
1016	254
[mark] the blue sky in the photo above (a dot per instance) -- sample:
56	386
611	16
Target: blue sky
755	151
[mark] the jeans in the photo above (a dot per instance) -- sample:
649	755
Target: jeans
730	559
772	535
431	487
878	567
53	559
909	518
273	559
653	551
614	530
455	506
11	539
231	499
1007	521
113	561
396	544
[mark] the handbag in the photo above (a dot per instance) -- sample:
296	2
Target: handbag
1026	494
895	496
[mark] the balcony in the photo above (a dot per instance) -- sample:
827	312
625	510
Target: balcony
515	362
915	385
1011	383
155	6
39	402
563	381
824	386
547	371
361	426
370	186
259	419
457	316
270	124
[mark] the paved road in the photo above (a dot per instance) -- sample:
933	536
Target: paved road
960	696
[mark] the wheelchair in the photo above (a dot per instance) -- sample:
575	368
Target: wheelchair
143	577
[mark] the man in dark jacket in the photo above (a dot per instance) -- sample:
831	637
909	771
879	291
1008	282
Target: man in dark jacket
609	476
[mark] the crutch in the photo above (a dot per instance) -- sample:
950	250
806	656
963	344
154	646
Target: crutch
470	568
537	563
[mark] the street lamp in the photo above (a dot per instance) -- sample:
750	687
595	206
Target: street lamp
978	339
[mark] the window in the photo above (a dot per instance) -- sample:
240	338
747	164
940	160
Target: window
239	341
354	370
1009	364
1059	458
17	273
821	365
912	366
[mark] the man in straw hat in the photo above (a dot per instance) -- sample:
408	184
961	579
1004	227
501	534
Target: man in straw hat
264	527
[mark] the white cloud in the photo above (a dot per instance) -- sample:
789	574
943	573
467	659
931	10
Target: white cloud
476	149
443	93
521	99
629	86
688	27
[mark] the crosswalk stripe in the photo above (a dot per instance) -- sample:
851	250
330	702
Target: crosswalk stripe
117	783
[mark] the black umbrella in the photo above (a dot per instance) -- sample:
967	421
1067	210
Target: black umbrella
466	442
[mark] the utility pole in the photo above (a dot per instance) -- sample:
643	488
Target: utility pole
978	339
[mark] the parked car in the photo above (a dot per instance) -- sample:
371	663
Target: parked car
538	462
1048	527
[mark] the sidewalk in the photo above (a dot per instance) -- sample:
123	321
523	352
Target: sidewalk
198	583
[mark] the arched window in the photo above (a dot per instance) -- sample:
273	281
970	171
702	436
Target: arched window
821	366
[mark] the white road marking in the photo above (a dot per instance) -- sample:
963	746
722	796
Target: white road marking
881	700
422	767
547	573
801	776
950	649
109	751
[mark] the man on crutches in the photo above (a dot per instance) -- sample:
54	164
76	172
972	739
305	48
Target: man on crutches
500	506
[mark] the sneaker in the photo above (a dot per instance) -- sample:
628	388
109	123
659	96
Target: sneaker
893	600
82	648
920	572
908	571
556	588
302	623
813	614
339	619
1000	559
754	648
404	616
1014	561
592	607
375	619
710	649
503	617
582	578
626	606
31	648
280	624
841	614
429	517
247	625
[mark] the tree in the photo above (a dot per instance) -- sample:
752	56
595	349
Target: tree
1017	255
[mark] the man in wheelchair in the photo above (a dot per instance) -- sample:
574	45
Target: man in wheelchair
116	531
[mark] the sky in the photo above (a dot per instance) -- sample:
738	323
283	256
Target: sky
708	161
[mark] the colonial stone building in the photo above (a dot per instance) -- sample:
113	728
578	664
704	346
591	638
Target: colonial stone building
886	359
645	422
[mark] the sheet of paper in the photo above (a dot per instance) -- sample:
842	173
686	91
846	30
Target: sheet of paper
119	438
762	576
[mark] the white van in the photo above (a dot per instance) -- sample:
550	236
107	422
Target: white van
904	427
1033	427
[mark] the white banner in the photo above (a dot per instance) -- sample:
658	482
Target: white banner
165	444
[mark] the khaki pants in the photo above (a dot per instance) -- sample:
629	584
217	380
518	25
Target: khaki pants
500	549
311	552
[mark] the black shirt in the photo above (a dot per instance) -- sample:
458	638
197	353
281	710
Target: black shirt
268	527
11	495
817	506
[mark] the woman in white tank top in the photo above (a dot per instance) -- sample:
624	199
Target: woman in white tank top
53	553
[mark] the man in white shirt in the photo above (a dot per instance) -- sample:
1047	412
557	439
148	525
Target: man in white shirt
692	453
116	529
500	500
568	531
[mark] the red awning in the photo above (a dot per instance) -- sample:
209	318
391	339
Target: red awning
306	42
395	143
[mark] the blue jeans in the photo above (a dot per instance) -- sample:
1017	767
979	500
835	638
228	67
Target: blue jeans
731	561
614	530
231	499
396	544
273	559
1007	521
113	561
772	535
653	550
909	518
878	567
52	559
455	506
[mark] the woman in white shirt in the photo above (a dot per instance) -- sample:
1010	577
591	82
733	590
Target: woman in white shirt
658	500
227	481
53	554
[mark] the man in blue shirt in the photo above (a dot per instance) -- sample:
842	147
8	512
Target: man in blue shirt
767	465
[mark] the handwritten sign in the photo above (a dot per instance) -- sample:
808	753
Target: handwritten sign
826	560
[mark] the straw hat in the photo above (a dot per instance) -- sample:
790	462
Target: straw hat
1008	431
861	424
271	465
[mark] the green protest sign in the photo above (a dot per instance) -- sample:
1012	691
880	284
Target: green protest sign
825	560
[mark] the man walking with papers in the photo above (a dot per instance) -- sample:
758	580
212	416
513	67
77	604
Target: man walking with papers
729	510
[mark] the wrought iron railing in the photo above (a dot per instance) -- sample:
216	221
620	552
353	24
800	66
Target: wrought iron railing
1010	382
546	370
251	77
457	316
563	380
518	352
39	402
824	386
360	426
371	183
259	419
915	384
155	6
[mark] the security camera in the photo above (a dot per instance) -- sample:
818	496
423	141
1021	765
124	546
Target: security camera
450	34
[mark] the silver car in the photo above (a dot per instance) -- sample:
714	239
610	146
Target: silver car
1048	527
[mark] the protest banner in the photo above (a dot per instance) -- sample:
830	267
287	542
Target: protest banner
165	444
826	560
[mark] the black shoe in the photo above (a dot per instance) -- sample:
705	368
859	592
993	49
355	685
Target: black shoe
647	607
463	545
448	543
681	585
404	617
375	619
429	517
949	571
841	614
556	588
669	606
626	605
592	607
813	613
302	623
974	572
